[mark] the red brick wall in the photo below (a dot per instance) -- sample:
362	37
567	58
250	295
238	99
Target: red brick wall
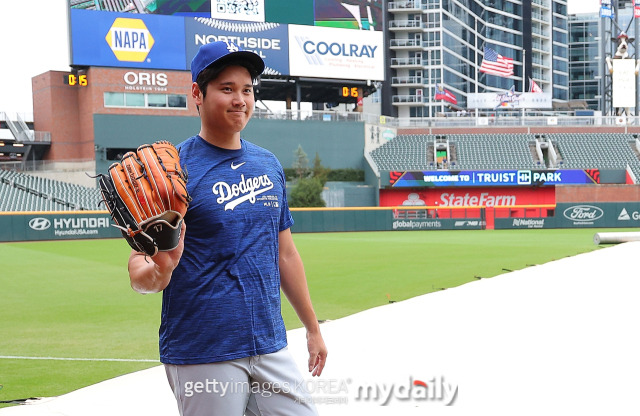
67	111
598	193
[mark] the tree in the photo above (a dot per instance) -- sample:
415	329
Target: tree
307	190
320	172
300	162
306	193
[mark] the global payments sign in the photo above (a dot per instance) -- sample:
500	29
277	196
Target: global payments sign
416	179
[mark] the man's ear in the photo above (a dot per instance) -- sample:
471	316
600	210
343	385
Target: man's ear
196	94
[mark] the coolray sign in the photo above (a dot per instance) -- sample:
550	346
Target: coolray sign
415	179
336	53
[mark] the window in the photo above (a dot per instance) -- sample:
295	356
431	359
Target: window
113	99
140	100
133	99
157	100
177	101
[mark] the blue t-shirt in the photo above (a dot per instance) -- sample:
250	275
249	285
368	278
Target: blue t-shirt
223	301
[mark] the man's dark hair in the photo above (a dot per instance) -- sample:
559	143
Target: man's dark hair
212	72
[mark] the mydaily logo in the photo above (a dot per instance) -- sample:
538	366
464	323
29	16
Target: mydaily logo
434	389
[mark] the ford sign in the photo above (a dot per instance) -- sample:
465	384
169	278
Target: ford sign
583	213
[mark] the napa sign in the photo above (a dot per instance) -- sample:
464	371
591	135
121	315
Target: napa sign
129	39
101	38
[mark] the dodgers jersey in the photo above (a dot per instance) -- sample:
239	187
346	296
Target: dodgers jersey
223	301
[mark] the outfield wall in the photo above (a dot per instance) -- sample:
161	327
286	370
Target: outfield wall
579	215
36	226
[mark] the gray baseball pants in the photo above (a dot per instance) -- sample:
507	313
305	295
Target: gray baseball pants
262	385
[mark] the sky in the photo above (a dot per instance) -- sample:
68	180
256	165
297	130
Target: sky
35	40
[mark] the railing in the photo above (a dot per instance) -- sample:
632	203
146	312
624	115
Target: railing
41	165
401	5
406	61
407	99
489	119
28	133
543	3
407	80
405	43
307	115
406	24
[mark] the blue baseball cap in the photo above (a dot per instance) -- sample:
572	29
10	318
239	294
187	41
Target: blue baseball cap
220	52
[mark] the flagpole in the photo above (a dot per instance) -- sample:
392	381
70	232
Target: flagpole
524	88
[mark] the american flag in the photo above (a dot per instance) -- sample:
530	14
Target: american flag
496	64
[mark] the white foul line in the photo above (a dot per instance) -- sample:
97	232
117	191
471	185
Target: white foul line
17	357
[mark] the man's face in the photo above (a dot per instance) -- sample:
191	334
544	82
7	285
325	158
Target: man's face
229	101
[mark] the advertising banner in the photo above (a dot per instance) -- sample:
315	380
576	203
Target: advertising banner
127	40
509	99
581	215
468	197
153	40
354	14
624	83
435	224
336	53
419	179
248	11
269	40
58	226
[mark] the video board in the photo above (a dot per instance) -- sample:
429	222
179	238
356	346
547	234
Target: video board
316	40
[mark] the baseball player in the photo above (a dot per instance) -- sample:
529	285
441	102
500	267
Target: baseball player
222	337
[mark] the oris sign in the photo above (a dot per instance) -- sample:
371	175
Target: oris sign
145	81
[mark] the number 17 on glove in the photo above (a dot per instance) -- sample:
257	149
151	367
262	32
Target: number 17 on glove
146	195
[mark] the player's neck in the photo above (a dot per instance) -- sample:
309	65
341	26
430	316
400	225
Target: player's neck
222	140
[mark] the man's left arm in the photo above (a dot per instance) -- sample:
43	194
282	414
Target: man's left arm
293	282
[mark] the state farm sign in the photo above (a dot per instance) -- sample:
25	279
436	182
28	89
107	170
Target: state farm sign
459	199
468	197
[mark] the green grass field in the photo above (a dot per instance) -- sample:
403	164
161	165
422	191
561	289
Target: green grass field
72	299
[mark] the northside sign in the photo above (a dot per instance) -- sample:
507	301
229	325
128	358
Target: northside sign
493	178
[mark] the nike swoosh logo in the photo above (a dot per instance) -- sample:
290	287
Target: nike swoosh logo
234	167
